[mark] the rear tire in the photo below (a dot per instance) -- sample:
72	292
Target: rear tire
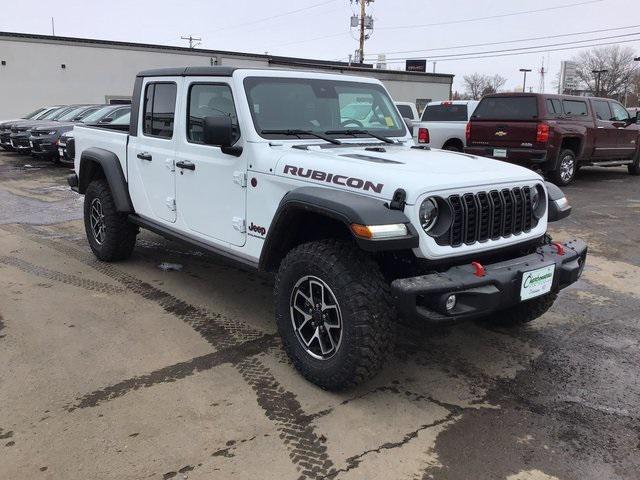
110	234
523	313
357	298
634	168
567	168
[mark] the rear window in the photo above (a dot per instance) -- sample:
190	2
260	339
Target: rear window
405	111
445	112
574	108
507	108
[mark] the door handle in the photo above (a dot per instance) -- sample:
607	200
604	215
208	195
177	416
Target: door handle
144	156
186	165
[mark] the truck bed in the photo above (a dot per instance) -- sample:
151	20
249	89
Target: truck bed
110	139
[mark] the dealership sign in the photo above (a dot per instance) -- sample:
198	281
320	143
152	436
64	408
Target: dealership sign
416	66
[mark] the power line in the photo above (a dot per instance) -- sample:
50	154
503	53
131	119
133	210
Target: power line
526	53
547	37
453	55
193	41
503	15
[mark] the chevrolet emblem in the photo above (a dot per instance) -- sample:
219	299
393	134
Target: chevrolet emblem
500	133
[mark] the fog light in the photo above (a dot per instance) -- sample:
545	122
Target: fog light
451	303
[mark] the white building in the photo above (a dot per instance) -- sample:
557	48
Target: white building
38	70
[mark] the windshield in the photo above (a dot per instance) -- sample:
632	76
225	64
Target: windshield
321	105
98	114
34	113
445	112
507	108
59	114
123	119
71	114
50	114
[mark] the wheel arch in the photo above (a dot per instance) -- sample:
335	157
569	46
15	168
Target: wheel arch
313	213
454	142
98	163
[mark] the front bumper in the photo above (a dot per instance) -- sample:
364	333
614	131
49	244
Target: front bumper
46	146
20	142
424	297
5	140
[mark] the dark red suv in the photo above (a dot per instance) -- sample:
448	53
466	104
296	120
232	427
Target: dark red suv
555	133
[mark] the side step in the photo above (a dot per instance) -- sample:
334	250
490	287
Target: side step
611	163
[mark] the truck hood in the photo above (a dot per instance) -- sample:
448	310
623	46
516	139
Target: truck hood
378	170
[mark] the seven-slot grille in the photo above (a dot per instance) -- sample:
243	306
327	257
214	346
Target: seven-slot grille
482	216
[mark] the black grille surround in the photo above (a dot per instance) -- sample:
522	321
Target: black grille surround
491	215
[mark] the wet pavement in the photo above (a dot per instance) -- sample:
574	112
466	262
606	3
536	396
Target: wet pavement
130	371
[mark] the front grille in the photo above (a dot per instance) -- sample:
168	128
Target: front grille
483	216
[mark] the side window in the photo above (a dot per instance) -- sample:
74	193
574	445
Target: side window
209	100
620	113
601	108
557	105
159	109
575	108
405	111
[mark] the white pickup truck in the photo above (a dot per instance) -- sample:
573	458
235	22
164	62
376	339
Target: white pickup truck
358	225
443	124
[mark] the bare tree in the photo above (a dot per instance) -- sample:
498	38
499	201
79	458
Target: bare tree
618	63
476	85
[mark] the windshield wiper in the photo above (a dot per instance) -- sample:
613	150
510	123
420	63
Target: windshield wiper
297	132
354	132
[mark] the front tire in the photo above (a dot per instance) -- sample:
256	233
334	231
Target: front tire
634	168
567	168
111	236
334	313
524	312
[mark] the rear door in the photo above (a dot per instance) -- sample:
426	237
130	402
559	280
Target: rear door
211	185
151	154
627	134
606	137
506	122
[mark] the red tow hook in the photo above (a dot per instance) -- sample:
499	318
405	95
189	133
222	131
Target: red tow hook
479	269
559	248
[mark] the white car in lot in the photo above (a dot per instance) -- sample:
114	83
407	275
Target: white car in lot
443	124
356	223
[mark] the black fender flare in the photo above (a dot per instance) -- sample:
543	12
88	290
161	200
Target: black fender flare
345	207
99	158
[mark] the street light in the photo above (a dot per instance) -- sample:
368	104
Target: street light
597	73
524	82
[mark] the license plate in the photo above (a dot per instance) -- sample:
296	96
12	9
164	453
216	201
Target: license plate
61	152
500	152
537	282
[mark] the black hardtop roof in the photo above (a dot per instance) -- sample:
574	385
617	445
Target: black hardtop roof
189	71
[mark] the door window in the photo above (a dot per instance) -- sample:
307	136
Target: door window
602	110
209	100
620	113
159	109
575	108
405	111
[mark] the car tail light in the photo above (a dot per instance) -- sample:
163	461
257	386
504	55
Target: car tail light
467	133
542	134
446	103
423	135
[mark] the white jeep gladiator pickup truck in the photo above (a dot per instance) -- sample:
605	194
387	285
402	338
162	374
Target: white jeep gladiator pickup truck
443	124
359	226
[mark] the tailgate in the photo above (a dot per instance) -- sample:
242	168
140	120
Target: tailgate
504	134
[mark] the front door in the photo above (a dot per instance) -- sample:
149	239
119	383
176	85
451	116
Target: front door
606	138
151	154
210	185
627	133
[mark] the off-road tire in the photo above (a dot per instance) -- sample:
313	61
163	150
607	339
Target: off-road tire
119	234
557	176
634	168
368	314
524	312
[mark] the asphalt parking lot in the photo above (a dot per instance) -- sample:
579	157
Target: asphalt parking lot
129	371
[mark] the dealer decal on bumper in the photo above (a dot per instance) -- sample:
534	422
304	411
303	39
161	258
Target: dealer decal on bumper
537	282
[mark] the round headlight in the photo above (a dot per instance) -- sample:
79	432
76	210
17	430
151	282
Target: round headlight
538	201
428	214
535	199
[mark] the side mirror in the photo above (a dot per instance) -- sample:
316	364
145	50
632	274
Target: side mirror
218	131
106	120
409	123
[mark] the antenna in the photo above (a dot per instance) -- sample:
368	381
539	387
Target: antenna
193	41
542	72
53	27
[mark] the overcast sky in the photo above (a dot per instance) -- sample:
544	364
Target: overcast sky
320	29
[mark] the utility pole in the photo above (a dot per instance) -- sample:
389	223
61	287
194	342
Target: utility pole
364	25
598	73
53	27
524	82
193	41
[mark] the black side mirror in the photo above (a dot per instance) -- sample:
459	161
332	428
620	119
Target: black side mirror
218	131
106	120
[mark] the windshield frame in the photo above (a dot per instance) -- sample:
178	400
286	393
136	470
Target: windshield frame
251	81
